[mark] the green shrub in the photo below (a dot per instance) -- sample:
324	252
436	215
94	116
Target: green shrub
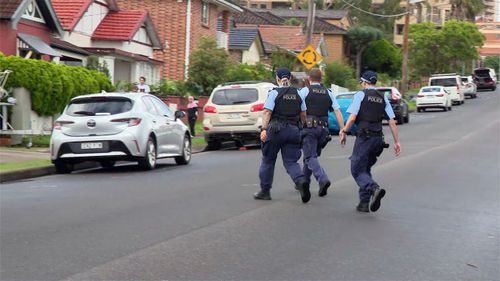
340	74
52	85
247	72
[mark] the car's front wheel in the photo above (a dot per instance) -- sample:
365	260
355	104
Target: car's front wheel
63	167
148	162
186	153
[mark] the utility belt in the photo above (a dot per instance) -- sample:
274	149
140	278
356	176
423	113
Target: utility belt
278	123
366	133
313	122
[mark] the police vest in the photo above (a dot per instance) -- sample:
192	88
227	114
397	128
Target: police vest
318	101
372	111
287	105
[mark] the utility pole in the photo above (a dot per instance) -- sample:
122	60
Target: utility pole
404	80
310	21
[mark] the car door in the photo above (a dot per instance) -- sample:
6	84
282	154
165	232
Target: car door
174	135
159	125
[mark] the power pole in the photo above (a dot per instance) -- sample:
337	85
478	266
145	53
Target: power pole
404	80
310	21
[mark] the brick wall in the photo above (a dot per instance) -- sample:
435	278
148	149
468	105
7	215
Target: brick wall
235	55
198	29
335	47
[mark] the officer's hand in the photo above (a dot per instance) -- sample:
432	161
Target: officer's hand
397	148
263	135
343	138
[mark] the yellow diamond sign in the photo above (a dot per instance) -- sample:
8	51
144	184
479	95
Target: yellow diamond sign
309	57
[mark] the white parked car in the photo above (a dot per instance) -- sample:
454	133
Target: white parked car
470	86
433	97
452	83
118	126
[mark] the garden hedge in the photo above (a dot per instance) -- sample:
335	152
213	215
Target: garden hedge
52	85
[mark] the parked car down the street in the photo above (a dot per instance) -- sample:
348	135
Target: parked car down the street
470	86
433	97
399	105
109	127
234	113
452	83
485	78
344	100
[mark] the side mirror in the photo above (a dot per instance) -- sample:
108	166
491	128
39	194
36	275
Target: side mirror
179	114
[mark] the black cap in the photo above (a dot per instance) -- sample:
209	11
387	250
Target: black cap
369	76
283	72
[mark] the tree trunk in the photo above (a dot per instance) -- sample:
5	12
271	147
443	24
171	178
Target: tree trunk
359	55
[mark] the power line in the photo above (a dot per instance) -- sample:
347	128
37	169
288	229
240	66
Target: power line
374	14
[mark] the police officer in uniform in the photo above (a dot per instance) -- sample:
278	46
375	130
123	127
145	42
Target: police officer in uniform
315	135
284	112
367	111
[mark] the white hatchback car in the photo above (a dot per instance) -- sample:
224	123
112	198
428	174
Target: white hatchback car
470	86
118	126
234	112
433	97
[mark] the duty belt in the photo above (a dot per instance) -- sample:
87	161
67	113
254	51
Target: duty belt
313	122
366	133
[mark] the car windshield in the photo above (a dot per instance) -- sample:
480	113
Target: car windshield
445	82
345	96
482	73
99	106
465	80
431	90
235	96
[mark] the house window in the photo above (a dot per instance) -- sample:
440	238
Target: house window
263	6
498	35
400	28
204	13
32	12
253	5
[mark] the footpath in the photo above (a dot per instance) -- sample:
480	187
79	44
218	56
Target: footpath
22	163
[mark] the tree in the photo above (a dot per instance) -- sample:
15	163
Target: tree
359	38
462	39
283	58
425	41
383	56
339	74
208	65
492	62
466	9
247	72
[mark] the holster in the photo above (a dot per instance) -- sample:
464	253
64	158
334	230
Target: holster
313	122
323	142
275	126
367	133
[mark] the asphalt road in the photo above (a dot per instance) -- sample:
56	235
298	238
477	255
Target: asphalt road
438	221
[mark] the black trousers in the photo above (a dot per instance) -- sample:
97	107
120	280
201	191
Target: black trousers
192	123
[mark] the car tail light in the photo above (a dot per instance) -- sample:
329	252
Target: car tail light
58	124
131	121
210	109
488	80
257	107
440	95
205	129
236	86
420	96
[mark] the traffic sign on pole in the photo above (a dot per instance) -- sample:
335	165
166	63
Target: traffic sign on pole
309	57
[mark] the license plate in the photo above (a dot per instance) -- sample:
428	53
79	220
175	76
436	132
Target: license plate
233	116
91	145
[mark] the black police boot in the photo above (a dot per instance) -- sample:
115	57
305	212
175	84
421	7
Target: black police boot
323	188
262	195
297	188
378	194
362	207
303	187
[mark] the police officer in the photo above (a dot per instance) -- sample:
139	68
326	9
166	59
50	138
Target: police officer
284	110
315	135
367	111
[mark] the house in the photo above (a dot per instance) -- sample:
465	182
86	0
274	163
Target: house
491	31
123	40
180	26
339	18
246	45
27	27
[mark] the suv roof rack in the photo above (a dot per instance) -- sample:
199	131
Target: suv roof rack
443	74
244	82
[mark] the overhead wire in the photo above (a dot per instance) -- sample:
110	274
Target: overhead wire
374	14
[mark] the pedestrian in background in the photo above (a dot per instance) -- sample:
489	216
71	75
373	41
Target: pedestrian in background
315	135
284	110
192	110
367	111
143	87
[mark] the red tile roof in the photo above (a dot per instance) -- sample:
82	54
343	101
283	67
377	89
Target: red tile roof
69	12
120	25
286	37
8	7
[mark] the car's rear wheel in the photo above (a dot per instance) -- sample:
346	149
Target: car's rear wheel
407	117
399	119
186	153
107	163
213	145
148	162
445	108
63	167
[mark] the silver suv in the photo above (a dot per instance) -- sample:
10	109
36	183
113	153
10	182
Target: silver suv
118	126
234	112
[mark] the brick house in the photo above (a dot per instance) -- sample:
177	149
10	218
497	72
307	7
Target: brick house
181	24
27	27
122	39
246	45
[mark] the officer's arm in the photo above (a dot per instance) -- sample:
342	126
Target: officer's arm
302	115
395	136
266	117
349	123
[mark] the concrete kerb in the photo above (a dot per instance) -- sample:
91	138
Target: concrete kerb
49	170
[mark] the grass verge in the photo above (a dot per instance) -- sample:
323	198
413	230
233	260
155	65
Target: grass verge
9	167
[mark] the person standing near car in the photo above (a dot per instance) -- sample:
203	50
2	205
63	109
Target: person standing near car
192	109
315	135
143	87
367	111
284	112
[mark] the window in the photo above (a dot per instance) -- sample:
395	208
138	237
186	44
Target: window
498	35
32	12
235	96
162	108
253	5
149	105
99	106
400	28
263	6
204	13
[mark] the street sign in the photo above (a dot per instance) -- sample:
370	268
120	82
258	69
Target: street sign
309	57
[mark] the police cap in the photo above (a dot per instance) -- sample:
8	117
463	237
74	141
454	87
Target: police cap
369	76
283	72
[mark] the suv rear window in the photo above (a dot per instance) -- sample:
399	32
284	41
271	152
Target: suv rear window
99	106
431	90
482	73
235	96
445	82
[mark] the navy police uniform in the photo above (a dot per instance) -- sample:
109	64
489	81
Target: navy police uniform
319	101
370	108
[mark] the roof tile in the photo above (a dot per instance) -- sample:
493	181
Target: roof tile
8	7
121	25
69	12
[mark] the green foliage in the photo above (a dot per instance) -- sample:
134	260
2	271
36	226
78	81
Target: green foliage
340	74
492	62
282	58
449	49
52	85
176	88
359	37
293	22
383	56
124	86
208	65
247	72
466	9
94	64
